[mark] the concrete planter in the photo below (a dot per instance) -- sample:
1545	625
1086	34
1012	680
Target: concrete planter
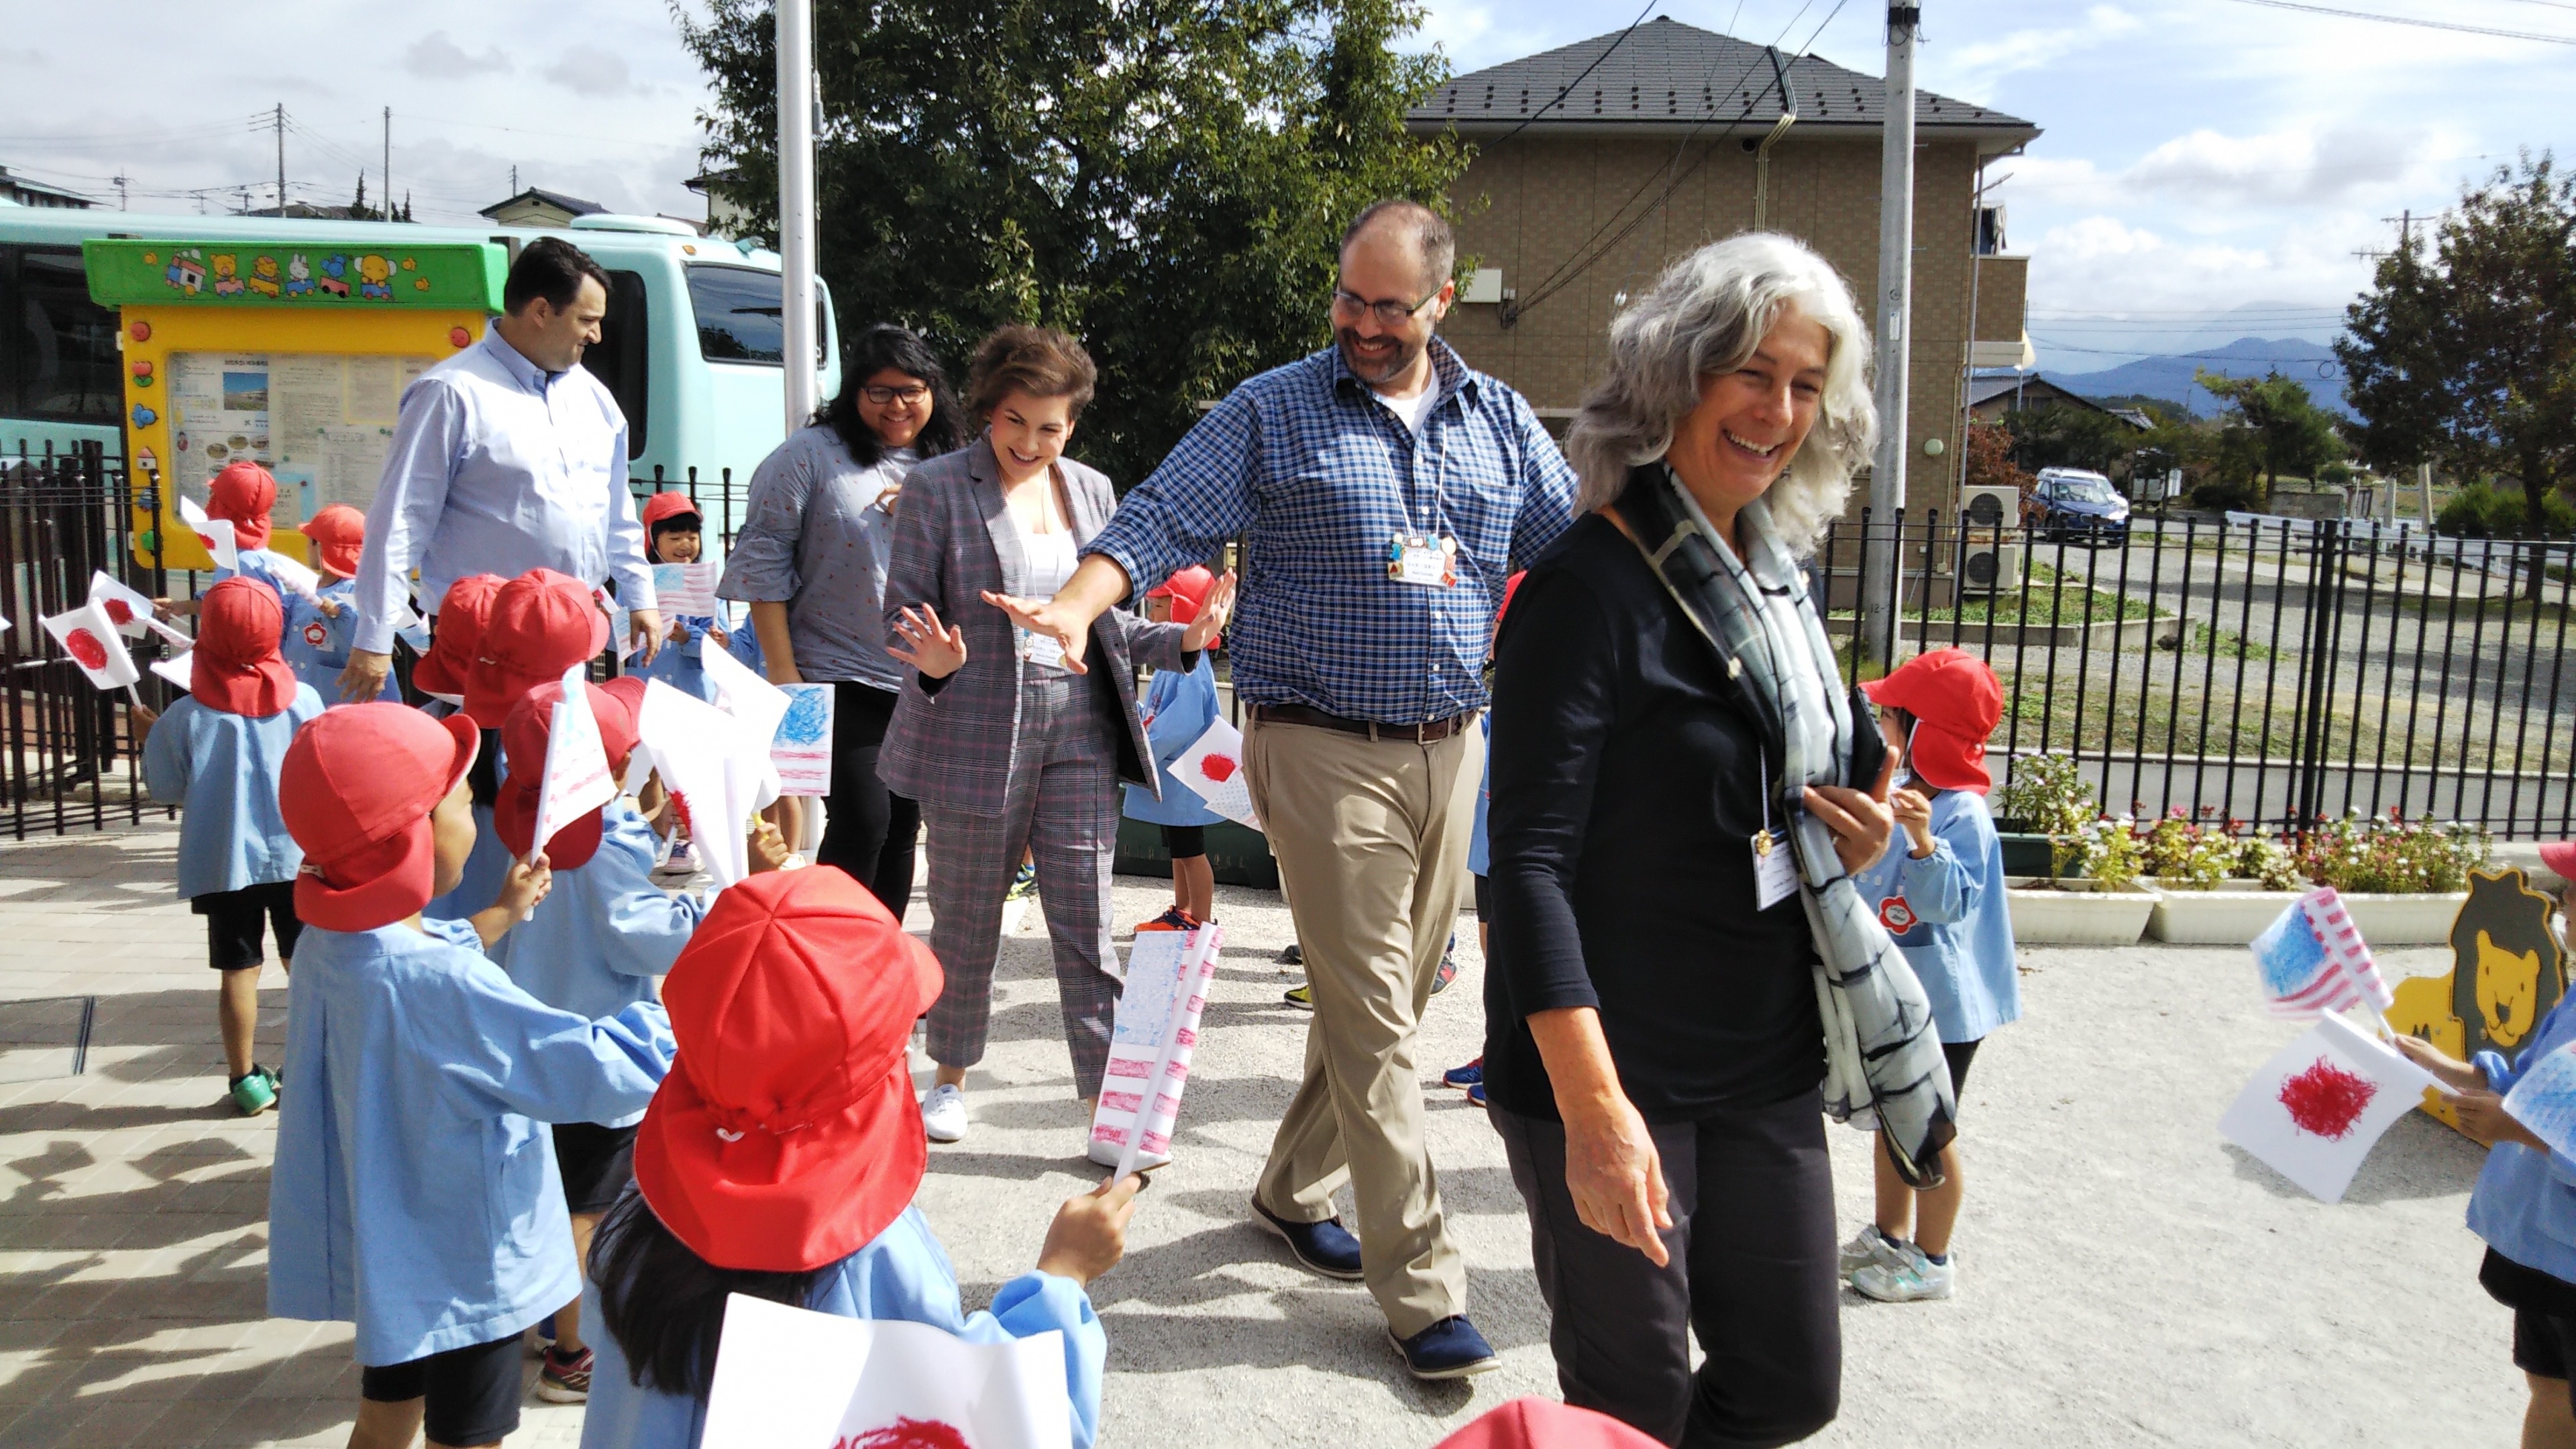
2405	920
2076	912
2106	635
2231	913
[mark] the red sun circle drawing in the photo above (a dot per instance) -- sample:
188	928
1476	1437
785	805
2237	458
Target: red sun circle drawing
907	1434
2325	1100
1219	768
84	646
119	612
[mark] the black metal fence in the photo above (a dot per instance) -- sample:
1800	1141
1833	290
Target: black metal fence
2262	670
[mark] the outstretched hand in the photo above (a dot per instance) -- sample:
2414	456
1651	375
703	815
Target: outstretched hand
1089	1234
1212	615
1050	620
935	649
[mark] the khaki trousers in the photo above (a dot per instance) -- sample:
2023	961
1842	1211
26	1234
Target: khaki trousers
1371	837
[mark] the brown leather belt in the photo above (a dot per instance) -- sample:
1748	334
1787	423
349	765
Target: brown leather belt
1298	714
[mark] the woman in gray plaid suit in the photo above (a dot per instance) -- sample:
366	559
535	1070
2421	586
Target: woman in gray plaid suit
1008	746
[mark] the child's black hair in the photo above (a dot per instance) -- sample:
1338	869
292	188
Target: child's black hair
676	523
665	1304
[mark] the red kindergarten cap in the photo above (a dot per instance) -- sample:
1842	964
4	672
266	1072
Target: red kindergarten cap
664	505
542	624
2560	857
339	535
525	737
1956	704
236	667
1536	1423
244	492
458	635
356	788
785	1137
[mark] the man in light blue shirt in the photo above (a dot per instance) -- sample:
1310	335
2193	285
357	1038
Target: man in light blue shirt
507	457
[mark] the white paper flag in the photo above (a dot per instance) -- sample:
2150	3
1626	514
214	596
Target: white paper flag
759	704
2316	1108
1212	767
191	512
179	669
91	639
576	779
1155	1035
685	590
791	1378
717	771
802	746
126	608
297	578
413	629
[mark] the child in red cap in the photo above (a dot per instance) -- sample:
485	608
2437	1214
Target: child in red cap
780	1160
218	752
541	624
1178	707
672	535
455	651
414	1192
243	494
1942	902
320	625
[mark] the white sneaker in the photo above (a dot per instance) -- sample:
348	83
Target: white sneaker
1868	1246
1916	1279
943	1114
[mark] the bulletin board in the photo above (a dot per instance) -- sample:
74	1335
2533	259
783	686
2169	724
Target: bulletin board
294	357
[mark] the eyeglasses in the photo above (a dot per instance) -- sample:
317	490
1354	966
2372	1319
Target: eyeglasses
1388	314
908	396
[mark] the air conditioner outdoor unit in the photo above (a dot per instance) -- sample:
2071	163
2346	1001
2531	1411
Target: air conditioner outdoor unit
1990	553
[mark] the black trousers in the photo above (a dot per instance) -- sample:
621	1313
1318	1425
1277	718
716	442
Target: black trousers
870	830
1752	1272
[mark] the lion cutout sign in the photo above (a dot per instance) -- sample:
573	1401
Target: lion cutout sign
2506	972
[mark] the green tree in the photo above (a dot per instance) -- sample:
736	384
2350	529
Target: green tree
1987	459
2466	352
2063	435
1165	179
2290	433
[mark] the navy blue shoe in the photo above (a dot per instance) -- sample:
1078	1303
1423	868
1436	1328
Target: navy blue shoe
1466	1076
1449	1349
1326	1247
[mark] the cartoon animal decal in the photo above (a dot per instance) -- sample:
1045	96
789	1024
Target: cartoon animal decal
375	278
2506	973
227	284
263	277
299	276
187	271
334	280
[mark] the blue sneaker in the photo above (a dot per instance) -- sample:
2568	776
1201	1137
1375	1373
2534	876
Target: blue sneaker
1472	1074
1449	1349
1476	1094
1326	1247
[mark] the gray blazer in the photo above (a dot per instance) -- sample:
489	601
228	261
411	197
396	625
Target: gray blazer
953	539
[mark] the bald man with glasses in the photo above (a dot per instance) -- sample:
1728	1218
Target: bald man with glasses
1387	491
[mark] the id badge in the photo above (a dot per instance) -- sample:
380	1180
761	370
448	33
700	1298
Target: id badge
1775	873
1040	649
1423	561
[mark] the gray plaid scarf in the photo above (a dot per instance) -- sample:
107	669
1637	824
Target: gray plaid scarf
1883	1061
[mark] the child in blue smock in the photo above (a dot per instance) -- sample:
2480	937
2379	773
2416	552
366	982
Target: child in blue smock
672	536
1178	707
414	1192
455	646
593	948
217	752
320	626
1939	891
750	1178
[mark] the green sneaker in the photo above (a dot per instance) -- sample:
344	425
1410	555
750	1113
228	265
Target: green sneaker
255	1091
1024	882
1300	997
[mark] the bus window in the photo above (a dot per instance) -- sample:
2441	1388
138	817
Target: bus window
57	347
739	313
621	360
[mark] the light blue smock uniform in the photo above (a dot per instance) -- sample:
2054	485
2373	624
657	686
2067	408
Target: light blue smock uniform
2524	1205
1179	705
316	646
1946	912
681	666
222	768
414	1192
604	931
487	865
1480	859
903	1273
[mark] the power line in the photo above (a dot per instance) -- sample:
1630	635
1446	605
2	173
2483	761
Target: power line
1568	88
2410	20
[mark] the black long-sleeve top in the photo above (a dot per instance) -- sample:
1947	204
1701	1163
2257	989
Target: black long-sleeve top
1627	787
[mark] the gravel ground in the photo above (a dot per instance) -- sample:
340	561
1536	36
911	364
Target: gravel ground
2127	1277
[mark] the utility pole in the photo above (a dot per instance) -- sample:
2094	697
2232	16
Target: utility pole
119	178
389	164
281	160
1880	556
798	101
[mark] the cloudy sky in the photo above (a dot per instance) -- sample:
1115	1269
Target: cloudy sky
2209	167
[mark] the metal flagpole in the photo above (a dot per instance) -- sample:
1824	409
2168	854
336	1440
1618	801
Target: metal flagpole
797	105
1880	556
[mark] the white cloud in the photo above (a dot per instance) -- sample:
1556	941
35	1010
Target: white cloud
1973	69
435	57
588	70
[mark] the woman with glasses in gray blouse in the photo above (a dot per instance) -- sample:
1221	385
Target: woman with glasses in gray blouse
811	561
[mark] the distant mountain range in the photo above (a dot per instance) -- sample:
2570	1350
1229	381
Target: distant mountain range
2170	377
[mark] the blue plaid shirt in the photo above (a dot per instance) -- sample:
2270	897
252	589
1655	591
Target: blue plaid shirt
1322	475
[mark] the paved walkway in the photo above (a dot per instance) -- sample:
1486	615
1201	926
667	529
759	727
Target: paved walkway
2127	1278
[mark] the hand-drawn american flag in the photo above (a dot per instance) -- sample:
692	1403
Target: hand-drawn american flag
2313	960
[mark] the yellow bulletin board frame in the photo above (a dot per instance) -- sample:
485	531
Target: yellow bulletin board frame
174	297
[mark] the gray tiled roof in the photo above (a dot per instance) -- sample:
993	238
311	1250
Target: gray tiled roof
1668	73
555	199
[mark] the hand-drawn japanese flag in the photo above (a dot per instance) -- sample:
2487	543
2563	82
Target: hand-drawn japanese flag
127	609
90	637
2315	1109
1212	767
2313	960
791	1378
717	771
576	781
2544	1100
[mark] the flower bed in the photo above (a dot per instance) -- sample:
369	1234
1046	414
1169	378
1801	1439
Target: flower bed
2074	911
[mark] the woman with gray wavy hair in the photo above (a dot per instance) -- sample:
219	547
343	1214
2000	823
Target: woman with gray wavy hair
1678	986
